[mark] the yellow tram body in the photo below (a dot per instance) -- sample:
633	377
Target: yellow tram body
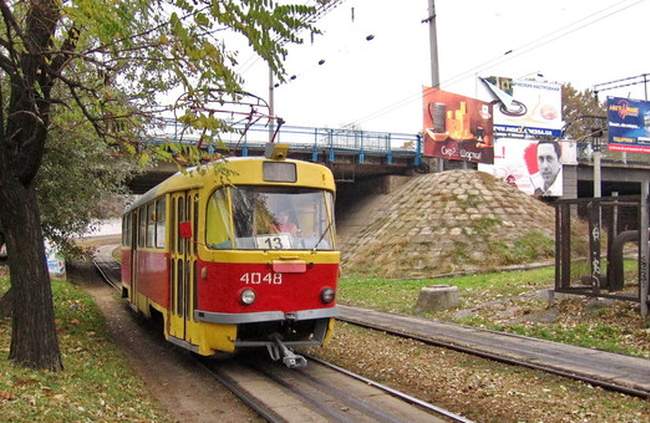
172	267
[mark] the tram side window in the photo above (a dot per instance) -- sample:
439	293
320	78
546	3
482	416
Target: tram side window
217	221
195	220
126	230
160	223
151	229
130	236
142	226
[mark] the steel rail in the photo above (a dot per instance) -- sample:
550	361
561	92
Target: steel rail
359	405
230	384
318	406
508	360
394	392
271	416
105	276
472	351
250	400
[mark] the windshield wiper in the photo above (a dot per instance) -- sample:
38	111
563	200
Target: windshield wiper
323	235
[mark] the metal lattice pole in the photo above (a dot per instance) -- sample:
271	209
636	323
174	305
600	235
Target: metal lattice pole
643	251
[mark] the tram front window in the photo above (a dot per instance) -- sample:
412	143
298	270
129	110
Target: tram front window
279	218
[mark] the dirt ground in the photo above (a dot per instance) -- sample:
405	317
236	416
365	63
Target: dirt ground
185	390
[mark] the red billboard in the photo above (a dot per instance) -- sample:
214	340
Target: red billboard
457	127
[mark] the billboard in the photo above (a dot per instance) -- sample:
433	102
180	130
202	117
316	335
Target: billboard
534	167
526	109
55	261
457	127
628	124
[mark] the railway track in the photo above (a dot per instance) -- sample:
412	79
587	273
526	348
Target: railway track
320	392
612	385
108	269
494	354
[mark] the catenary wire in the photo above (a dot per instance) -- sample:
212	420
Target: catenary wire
320	11
511	54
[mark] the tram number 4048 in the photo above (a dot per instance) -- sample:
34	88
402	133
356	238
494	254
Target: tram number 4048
257	278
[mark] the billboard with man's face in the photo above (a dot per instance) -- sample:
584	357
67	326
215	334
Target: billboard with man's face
534	167
457	127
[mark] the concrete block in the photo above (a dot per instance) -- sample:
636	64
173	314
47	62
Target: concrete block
549	294
437	297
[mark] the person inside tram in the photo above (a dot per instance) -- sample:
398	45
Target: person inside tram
284	225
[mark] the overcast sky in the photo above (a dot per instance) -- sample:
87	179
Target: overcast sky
378	83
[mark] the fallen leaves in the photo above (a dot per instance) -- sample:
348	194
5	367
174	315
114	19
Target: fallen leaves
476	388
6	396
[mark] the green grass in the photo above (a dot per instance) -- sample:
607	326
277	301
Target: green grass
600	334
117	254
96	385
400	295
613	327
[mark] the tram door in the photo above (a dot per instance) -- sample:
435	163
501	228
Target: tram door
133	222
183	261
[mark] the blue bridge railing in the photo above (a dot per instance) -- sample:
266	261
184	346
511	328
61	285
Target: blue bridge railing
317	141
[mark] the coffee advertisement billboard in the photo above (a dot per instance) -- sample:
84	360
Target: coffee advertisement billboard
457	127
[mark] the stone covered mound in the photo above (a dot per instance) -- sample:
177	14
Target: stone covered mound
460	220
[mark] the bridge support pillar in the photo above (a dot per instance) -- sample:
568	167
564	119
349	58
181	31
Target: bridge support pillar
418	151
389	151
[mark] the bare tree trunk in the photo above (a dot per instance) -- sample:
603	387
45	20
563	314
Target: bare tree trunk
34	341
6	305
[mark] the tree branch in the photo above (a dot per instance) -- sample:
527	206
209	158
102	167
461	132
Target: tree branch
7	65
2	115
9	45
92	119
103	47
67	50
10	20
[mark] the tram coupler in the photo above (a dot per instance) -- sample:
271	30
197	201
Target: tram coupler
289	358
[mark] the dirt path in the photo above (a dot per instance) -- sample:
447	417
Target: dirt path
171	375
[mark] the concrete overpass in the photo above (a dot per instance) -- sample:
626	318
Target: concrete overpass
350	154
620	173
365	158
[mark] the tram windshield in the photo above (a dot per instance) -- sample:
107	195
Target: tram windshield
271	218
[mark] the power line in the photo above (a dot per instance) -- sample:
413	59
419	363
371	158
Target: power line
320	11
510	54
340	54
498	59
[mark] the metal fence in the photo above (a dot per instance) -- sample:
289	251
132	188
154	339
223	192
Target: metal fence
296	136
601	248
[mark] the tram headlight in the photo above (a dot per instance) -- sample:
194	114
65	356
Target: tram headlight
327	295
247	296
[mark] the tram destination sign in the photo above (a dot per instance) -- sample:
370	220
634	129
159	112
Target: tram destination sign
628	124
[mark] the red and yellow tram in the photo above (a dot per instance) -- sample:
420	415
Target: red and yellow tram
236	258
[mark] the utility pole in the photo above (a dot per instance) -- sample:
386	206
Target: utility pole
643	251
271	111
435	73
596	155
433	44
